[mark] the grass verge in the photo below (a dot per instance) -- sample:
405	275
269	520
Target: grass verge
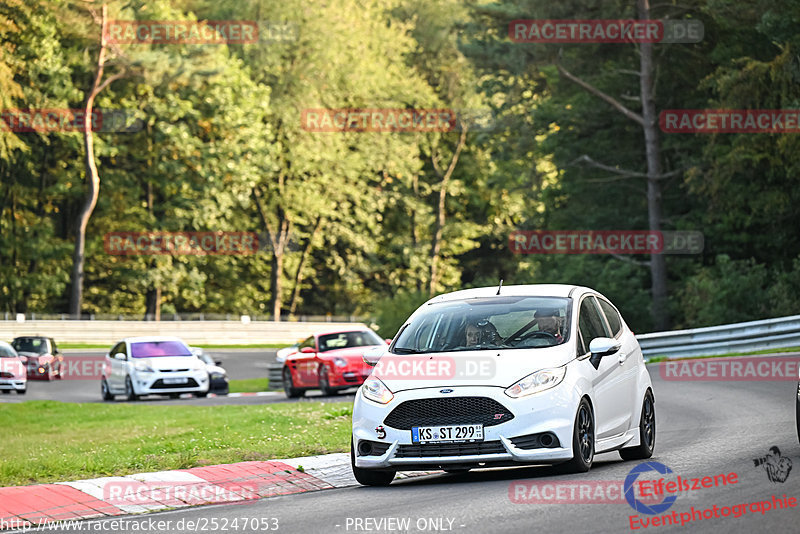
248	385
50	441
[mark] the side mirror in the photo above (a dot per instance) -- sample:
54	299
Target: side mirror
371	356
603	346
120	356
307	350
388	341
218	363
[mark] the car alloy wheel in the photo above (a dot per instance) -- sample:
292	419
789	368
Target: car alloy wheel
324	385
107	396
130	394
582	440
288	386
647	432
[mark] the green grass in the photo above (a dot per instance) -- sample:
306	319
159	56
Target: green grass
728	355
108	346
50	441
248	385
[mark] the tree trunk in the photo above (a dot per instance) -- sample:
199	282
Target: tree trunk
92	176
658	264
298	275
278	237
436	240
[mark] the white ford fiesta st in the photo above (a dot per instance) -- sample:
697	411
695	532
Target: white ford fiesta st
533	374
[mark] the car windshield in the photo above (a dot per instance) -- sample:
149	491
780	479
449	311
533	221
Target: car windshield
154	349
35	345
206	359
7	352
485	324
343	340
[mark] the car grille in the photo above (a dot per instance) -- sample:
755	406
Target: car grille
448	411
434	450
159	384
172	370
377	448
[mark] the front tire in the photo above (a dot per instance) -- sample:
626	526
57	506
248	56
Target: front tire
369	477
130	393
21	391
647	432
104	391
288	386
324	384
582	440
201	394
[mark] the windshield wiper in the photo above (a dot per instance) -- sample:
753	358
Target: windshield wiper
407	350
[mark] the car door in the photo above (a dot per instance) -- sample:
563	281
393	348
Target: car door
305	364
611	405
629	357
119	368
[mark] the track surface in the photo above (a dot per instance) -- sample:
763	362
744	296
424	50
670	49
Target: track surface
703	429
239	363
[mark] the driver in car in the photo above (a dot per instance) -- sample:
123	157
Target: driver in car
549	321
482	332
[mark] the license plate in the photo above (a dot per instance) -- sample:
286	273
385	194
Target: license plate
175	380
450	433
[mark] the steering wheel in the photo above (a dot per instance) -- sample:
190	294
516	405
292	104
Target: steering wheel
545	335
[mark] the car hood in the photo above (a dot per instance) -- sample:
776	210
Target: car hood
161	363
351	354
34	355
498	368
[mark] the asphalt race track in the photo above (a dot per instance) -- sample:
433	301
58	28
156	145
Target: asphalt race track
239	363
703	429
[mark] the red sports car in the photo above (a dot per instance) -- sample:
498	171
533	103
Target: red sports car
331	362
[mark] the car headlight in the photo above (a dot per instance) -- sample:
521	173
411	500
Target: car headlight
536	382
217	376
340	362
375	390
143	367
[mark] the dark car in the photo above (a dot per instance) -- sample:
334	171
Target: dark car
217	376
41	356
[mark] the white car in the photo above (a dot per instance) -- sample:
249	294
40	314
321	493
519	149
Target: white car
13	375
138	366
530	374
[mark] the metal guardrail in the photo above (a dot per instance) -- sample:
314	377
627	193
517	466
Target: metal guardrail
750	336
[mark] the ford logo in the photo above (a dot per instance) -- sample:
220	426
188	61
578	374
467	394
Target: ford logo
445	391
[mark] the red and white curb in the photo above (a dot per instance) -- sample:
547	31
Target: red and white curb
22	506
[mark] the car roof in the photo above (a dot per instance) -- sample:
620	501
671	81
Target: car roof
529	290
343	331
144	339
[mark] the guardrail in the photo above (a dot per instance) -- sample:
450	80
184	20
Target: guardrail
750	336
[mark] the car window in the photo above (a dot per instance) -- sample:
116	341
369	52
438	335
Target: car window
309	342
156	349
35	345
344	340
486	323
590	322
118	348
53	345
7	352
612	315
